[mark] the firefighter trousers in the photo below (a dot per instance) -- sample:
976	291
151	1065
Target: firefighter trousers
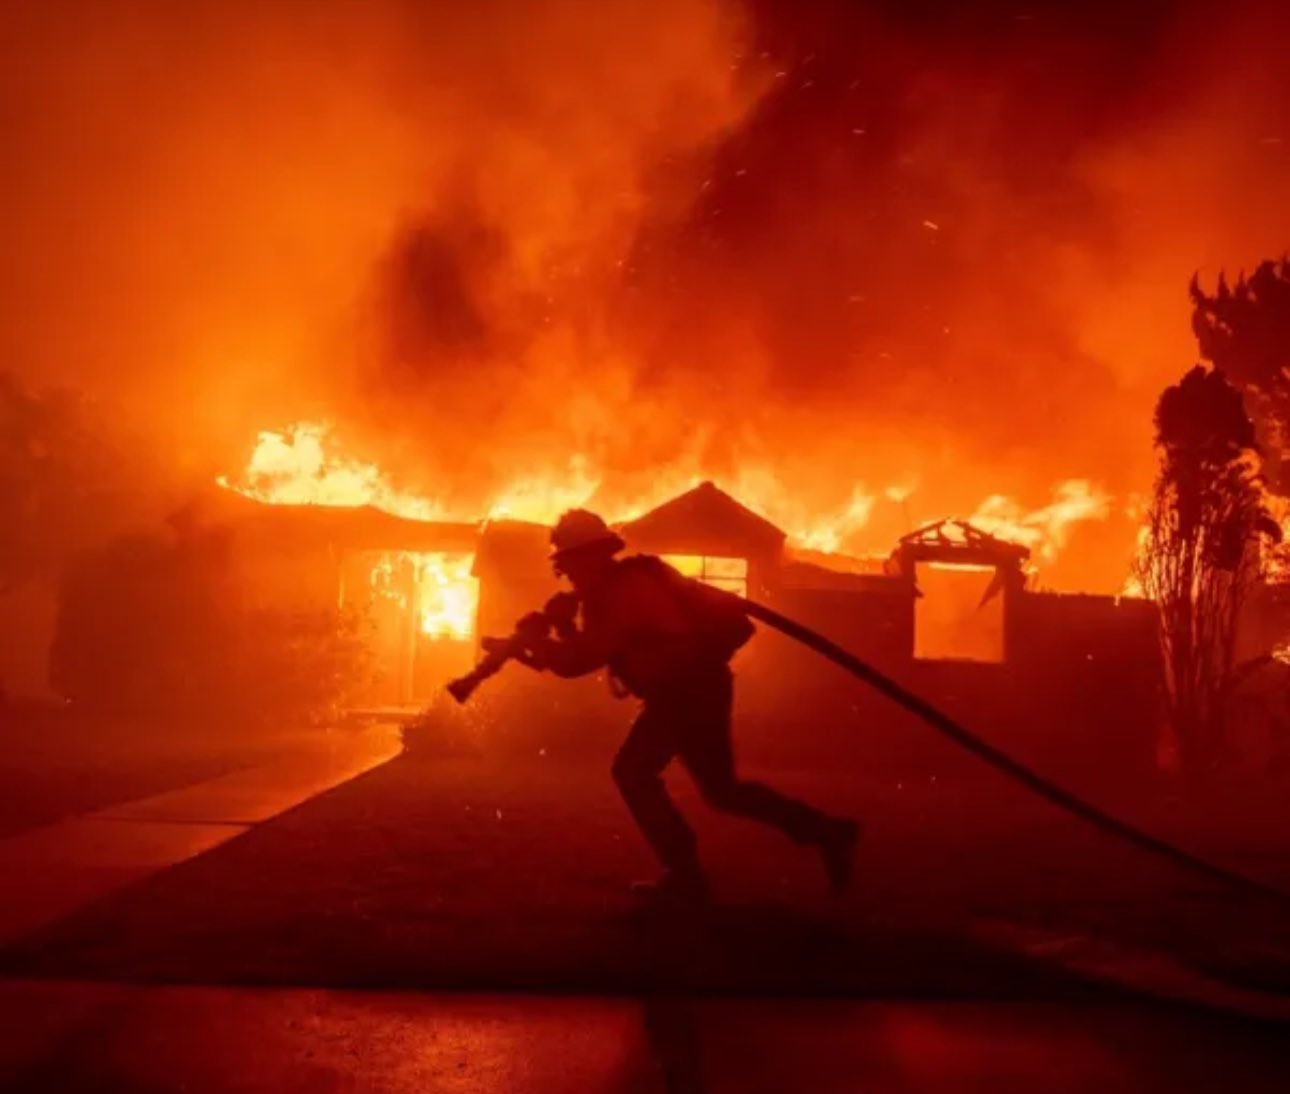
690	721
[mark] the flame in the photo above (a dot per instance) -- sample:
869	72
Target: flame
448	594
440	584
298	467
828	533
1275	556
383	577
302	466
540	500
1048	529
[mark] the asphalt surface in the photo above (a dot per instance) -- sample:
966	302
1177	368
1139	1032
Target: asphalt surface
57	762
482	875
49	871
97	1037
987	947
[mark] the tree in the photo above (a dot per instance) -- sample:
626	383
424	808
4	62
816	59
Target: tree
65	480
1201	552
1244	330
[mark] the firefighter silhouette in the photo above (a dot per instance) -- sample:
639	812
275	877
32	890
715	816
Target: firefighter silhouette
668	640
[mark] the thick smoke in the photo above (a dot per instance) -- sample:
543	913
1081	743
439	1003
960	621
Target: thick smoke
926	246
224	214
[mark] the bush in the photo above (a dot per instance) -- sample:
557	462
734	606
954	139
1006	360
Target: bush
153	626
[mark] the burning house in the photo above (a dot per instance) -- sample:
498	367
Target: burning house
948	612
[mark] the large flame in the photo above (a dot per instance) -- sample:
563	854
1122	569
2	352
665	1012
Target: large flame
437	585
298	467
301	465
611	229
449	595
541	500
1045	530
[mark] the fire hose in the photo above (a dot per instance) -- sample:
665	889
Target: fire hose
499	651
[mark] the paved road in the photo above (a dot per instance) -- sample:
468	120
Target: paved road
487	876
50	871
58	762
95	1037
427	875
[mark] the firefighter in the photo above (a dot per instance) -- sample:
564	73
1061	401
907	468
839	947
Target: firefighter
668	641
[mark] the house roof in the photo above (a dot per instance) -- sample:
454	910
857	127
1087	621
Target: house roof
958	541
704	520
357	528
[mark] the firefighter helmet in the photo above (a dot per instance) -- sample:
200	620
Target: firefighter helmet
578	529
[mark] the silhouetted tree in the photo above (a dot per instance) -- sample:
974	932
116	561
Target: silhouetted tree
1201	551
1245	331
63	480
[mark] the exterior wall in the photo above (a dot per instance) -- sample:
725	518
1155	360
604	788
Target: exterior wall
876	624
1078	696
1091	671
504	598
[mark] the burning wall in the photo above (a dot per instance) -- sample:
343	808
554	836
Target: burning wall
431	595
954	587
304	465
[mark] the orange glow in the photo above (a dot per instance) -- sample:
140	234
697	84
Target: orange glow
1045	530
956	618
730	574
1276	556
440	585
297	467
448	595
302	465
542	500
829	532
565	253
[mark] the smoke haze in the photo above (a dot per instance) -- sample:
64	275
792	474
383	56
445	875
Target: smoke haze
933	246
